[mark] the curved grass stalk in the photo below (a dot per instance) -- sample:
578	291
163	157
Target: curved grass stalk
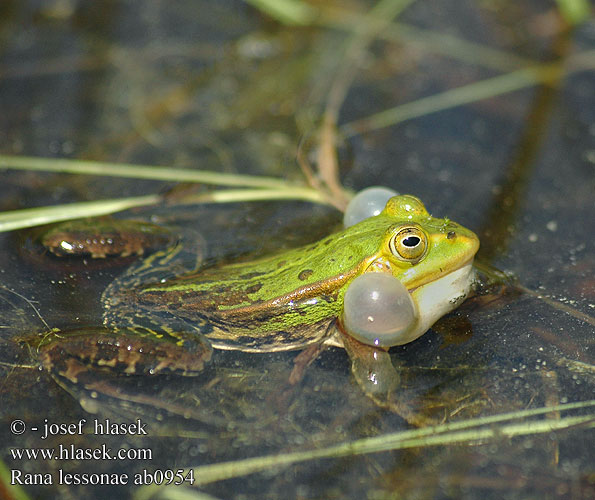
169	174
217	472
574	11
237	195
472	431
290	12
29	217
261	188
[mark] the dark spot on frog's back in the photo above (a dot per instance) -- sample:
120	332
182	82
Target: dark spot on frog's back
254	288
305	274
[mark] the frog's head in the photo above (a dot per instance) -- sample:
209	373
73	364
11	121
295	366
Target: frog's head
431	257
419	248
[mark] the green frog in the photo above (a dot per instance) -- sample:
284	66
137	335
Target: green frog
288	301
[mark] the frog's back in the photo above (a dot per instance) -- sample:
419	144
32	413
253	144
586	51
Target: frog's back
281	302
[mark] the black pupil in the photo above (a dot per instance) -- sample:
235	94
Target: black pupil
411	241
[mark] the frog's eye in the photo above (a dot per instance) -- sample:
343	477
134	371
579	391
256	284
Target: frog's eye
409	244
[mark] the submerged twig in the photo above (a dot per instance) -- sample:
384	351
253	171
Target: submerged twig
374	22
560	306
30	303
474	92
430	40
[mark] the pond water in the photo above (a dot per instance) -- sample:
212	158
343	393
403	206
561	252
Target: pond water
222	86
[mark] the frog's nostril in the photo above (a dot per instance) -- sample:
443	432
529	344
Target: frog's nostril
451	235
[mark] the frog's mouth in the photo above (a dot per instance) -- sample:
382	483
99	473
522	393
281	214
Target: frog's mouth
438	297
464	268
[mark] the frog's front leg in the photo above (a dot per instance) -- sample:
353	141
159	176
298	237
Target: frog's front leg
374	372
123	309
72	354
